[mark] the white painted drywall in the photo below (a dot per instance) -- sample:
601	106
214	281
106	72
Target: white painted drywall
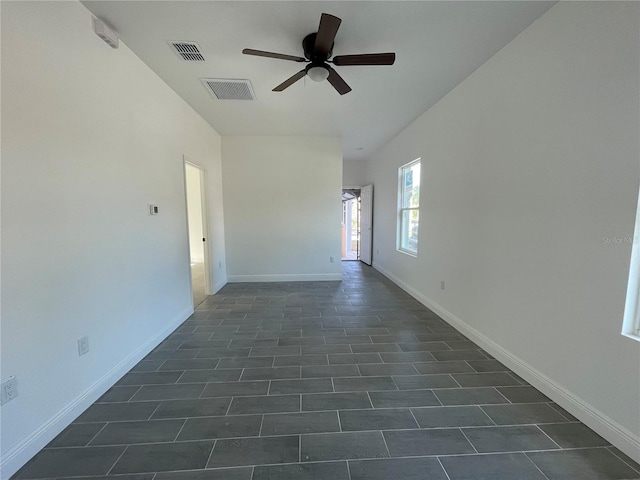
528	167
90	136
353	173
194	214
283	207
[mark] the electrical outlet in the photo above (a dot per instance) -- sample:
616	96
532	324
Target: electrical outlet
441	284
332	259
83	345
220	264
9	390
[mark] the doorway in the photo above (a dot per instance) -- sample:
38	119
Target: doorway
350	224
197	227
366	224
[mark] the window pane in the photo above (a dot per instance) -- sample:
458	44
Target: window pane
411	186
409	230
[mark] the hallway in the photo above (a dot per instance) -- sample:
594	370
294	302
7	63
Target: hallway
198	283
324	380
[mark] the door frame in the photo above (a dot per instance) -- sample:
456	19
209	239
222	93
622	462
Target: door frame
358	215
366	231
205	224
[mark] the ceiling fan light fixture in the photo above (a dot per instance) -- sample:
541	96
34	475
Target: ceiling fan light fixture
318	73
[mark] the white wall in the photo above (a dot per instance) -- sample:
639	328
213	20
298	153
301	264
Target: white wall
90	136
527	166
283	207
194	214
354	173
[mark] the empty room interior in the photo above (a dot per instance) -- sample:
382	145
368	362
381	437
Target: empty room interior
173	300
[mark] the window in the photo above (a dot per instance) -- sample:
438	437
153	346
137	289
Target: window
409	207
631	323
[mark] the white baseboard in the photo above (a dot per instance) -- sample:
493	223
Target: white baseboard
602	424
25	449
294	277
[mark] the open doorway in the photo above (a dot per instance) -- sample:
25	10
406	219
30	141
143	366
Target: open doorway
351	224
197	224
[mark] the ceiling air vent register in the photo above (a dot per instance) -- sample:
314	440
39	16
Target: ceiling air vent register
188	51
229	89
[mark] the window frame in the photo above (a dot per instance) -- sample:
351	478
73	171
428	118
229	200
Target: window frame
400	245
631	321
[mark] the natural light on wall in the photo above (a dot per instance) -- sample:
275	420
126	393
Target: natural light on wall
408	207
631	323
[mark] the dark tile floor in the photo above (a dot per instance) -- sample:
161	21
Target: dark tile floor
324	380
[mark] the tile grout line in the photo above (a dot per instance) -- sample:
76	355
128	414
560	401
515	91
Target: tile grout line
488	416
503	396
228	407
94	437
414	418
339	421
155	409
385	443
467	438
457	382
397	387
118	459
215	442
371	401
546	435
469	427
551	405
535	464
254	437
443	469
637	469
181	428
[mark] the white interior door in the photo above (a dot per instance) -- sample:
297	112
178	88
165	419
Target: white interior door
366	222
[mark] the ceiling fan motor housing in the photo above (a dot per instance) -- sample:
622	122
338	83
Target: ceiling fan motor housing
308	46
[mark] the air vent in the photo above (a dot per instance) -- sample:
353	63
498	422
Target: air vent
188	51
229	89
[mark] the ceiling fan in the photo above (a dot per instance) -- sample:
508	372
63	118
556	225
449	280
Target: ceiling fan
318	48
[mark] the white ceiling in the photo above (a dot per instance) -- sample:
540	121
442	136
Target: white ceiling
437	45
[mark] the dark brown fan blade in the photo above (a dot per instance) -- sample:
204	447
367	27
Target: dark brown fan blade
290	81
337	81
365	59
281	56
326	34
